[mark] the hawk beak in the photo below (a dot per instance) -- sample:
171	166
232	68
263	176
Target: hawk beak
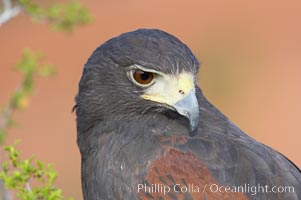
178	92
189	108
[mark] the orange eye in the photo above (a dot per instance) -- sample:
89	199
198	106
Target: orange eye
143	77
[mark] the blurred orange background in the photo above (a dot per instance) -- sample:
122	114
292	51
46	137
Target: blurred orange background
251	70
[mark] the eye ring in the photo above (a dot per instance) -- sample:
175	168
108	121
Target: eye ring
142	78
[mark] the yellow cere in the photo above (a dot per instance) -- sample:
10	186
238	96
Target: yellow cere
168	89
185	82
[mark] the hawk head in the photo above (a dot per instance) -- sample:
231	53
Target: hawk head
143	71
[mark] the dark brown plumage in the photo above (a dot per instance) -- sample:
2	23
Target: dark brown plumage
132	136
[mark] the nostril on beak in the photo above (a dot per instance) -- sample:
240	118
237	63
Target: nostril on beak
181	92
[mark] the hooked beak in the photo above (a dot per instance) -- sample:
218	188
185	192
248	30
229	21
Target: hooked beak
189	108
178	92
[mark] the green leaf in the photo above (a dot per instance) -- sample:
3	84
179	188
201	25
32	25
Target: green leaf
47	70
19	174
2	135
63	16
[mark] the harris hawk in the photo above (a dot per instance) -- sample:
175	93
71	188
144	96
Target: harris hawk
146	131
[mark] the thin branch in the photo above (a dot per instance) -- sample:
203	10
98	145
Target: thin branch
5	193
8	111
4	124
27	185
9	11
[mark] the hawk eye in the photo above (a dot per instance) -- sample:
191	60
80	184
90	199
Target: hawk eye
143	77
